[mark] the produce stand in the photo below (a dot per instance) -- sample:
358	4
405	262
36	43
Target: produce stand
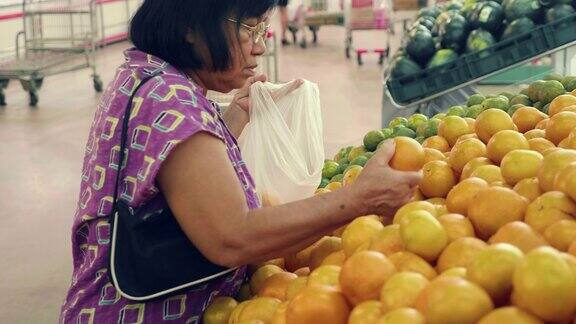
403	96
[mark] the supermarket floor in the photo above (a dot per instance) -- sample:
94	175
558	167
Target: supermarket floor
41	153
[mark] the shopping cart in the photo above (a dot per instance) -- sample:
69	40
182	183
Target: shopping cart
311	15
368	15
58	36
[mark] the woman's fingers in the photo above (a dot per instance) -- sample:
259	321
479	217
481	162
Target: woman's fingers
385	152
287	89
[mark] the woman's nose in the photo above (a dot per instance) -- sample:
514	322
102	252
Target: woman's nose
259	47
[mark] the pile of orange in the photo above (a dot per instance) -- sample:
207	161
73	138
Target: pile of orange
489	237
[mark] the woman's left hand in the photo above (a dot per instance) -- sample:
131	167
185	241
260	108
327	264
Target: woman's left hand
242	97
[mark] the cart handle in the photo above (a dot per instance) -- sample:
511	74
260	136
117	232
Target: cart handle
18	34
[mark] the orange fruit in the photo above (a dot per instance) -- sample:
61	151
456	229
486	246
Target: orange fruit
510	314
359	232
408	156
402	316
275	285
467	136
258	278
423	235
279	316
491	121
565	180
448	300
261	309
299	260
464	152
318	305
520	164
333	186
363	275
542	124
552	164
526	118
351	175
324	247
458	272
572	248
456	226
401	290
414	206
564	143
560	126
473	165
488	173
569	108
503	142
431	154
545	285
295	286
494	207
540	144
436	142
551	150
367	312
528	188
459	253
326	275
549	208
471	124
438	179
408	261
388	241
560	103
462	194
452	127
535	133
493	267
561	234
335	258
235	315
321	191
219	310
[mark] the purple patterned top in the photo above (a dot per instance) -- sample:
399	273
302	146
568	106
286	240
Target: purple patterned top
167	110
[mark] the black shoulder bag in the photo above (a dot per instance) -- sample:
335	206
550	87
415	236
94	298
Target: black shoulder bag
150	255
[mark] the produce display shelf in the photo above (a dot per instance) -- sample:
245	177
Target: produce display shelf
473	67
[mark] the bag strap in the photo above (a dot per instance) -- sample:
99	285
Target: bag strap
123	138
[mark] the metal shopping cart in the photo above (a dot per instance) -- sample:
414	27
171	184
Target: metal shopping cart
58	36
311	15
368	15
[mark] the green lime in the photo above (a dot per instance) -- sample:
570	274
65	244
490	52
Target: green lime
513	108
387	132
398	121
403	131
343	160
499	102
474	111
343	167
524	91
456	111
420	139
439	116
361	160
356	152
520	100
546	108
550	90
416	120
475	99
431	127
337	178
324	183
368	155
372	139
538	105
508	95
330	169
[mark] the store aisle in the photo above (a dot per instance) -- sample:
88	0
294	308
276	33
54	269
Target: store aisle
41	154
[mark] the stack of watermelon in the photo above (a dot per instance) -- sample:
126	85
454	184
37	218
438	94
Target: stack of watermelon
442	33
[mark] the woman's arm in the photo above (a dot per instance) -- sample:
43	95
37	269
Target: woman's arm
206	198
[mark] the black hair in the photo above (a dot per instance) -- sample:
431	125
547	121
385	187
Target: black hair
160	28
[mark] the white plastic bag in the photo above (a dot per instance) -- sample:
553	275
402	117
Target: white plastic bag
282	145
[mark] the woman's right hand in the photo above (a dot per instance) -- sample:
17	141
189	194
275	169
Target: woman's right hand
380	189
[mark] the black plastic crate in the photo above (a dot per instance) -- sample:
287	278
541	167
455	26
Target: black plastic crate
472	66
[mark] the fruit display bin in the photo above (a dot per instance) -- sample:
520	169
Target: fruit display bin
473	67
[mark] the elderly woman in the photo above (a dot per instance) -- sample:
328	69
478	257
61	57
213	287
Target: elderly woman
181	156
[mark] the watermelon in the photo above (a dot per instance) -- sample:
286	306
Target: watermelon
453	6
432	12
516	9
558	12
479	40
518	26
427	22
552	3
442	57
488	16
403	66
420	45
454	32
441	21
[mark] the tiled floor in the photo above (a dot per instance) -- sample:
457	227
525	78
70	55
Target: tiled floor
41	150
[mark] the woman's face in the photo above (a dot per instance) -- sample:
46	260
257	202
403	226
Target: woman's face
244	53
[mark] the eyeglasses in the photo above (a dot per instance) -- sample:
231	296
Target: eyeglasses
257	33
